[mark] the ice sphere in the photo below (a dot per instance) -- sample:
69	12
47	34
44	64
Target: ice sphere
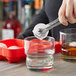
40	34
13	47
72	44
3	45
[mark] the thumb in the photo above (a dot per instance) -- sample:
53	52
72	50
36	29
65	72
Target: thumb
61	14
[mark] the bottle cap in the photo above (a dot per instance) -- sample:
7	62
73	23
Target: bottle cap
27	6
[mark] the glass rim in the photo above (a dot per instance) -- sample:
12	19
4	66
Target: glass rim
39	42
69	33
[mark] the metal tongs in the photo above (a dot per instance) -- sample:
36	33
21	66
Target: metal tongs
42	32
52	24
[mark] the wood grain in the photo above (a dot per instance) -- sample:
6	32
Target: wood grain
62	68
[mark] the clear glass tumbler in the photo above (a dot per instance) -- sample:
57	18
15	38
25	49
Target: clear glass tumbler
68	42
39	53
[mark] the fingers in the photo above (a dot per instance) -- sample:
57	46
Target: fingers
74	8
61	14
69	12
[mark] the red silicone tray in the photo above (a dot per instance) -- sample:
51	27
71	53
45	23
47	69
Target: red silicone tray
16	55
57	47
13	55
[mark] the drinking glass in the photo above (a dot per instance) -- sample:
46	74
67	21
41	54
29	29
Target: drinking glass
68	43
39	53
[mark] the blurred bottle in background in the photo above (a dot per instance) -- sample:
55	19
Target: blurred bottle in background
28	16
12	27
28	1
32	8
24	11
5	4
20	6
38	6
41	3
1	14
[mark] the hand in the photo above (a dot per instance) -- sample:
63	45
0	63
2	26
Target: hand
67	11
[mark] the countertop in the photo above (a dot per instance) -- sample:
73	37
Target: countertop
61	68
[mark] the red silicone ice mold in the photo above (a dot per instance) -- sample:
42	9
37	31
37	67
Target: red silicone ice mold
57	47
16	55
12	55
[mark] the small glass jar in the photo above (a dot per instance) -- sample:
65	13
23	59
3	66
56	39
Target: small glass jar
68	43
39	53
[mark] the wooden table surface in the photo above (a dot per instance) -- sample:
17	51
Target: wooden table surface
62	68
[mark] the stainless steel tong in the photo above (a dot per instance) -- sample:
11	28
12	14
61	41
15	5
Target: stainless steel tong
42	32
50	25
53	24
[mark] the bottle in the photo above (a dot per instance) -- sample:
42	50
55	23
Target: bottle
28	1
41	3
5	4
12	27
13	6
21	11
27	16
37	6
1	8
32	8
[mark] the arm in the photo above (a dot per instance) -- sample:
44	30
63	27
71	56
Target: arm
40	18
